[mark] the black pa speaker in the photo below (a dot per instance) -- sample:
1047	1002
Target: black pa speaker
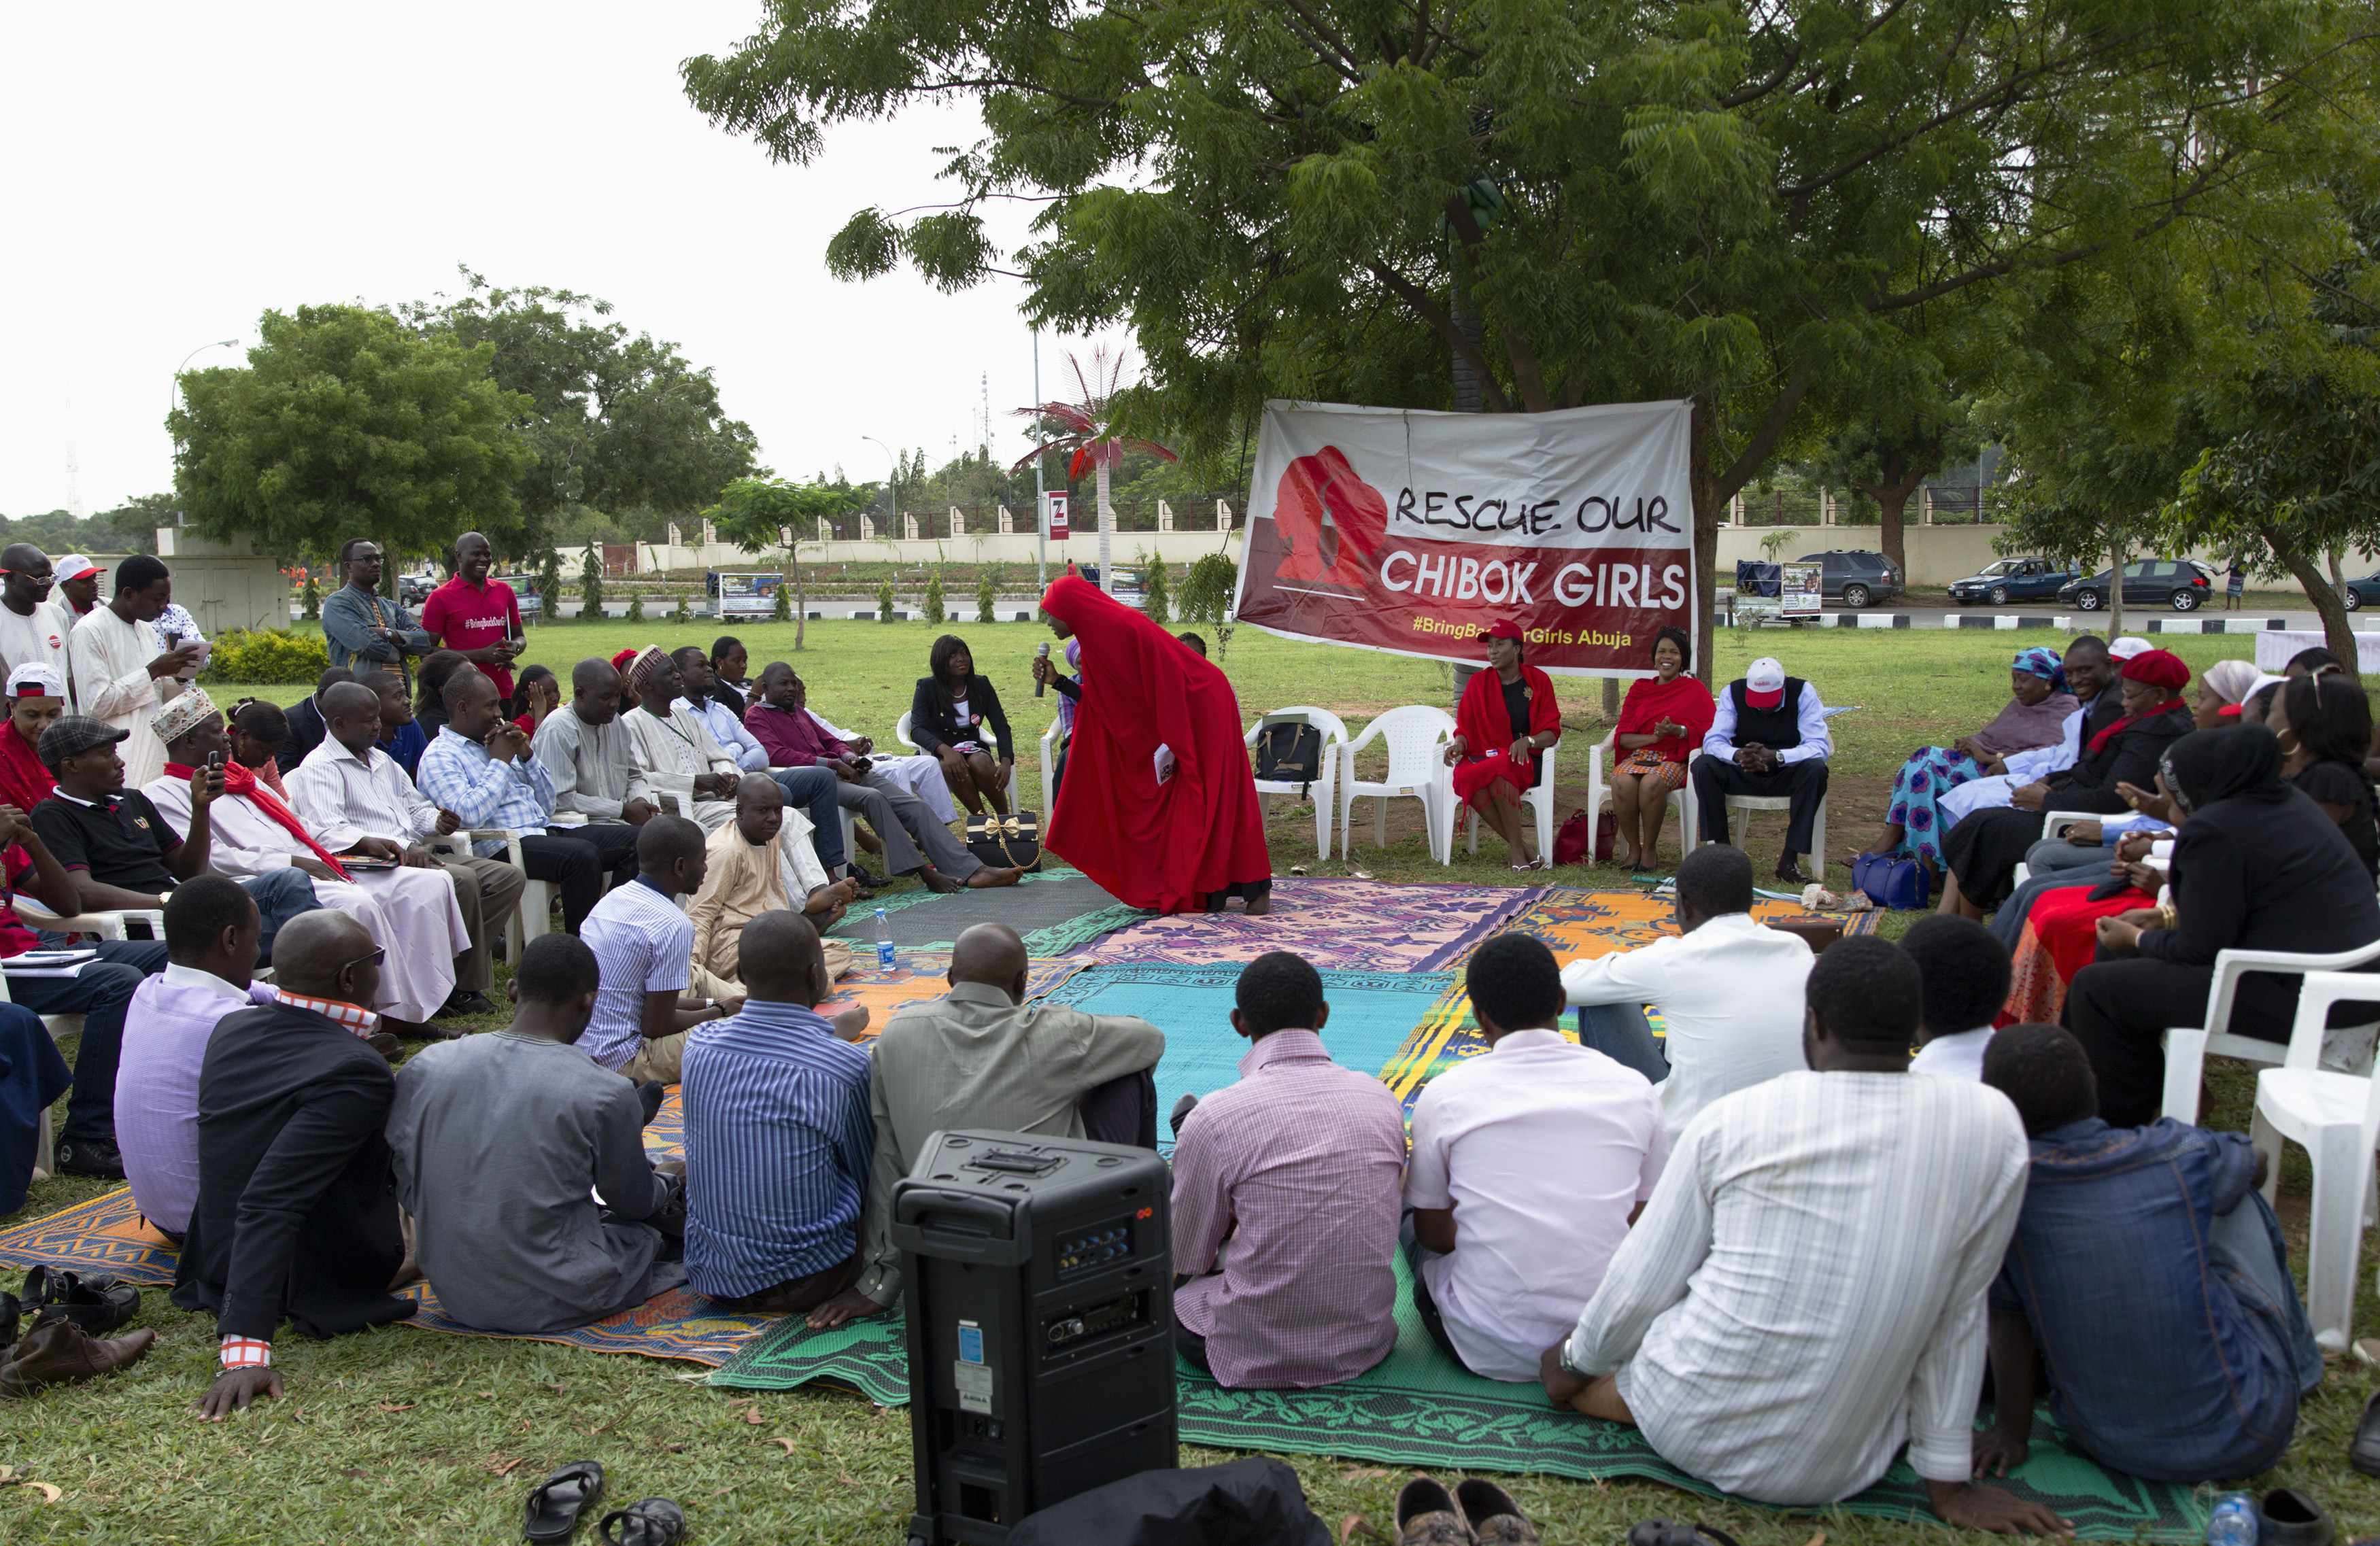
1039	1289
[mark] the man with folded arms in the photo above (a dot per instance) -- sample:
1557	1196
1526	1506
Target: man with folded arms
358	800
503	1145
412	911
984	1057
584	749
295	1218
1803	1295
482	769
212	929
914	841
778	1136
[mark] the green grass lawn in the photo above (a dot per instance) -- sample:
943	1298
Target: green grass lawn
405	1435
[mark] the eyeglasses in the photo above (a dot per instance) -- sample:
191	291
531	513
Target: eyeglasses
375	959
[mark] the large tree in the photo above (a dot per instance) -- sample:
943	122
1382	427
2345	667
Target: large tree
347	423
617	421
1734	202
759	513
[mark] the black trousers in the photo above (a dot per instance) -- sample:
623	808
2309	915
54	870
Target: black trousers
583	862
1124	1110
2120	1009
1425	1307
1804	783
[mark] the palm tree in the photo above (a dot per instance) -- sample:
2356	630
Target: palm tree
1082	429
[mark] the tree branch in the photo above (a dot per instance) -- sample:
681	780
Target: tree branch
1327	44
1426	307
1764	441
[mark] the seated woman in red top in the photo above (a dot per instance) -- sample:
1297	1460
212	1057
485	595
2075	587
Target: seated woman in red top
1508	715
36	697
1158	803
1662	722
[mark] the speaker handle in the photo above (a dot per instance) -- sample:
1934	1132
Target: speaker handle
913	1204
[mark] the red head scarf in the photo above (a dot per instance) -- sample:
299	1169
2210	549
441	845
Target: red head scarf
1165	846
2160	668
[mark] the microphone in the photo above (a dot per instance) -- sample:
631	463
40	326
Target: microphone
1040	686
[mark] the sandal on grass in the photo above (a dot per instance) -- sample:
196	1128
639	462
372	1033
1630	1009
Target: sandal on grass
556	1504
646	1522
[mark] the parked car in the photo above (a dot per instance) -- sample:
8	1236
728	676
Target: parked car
1855	576
2010	579
2362	590
414	589
2178	583
524	593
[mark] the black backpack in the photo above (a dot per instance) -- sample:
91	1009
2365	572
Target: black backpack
1289	751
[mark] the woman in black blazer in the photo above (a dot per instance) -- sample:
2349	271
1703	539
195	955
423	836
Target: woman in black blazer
2257	866
955	716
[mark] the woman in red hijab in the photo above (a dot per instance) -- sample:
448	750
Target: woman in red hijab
1508	715
36	698
1158	803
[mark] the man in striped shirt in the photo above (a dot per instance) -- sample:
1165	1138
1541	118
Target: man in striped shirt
778	1135
1803	1294
644	947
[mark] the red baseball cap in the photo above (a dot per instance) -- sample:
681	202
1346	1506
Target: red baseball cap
1764	683
1506	629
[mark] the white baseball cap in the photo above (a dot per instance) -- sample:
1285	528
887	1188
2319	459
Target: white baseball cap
74	566
33	679
2128	646
1764	683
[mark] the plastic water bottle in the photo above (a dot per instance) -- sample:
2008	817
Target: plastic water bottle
2233	1522
885	964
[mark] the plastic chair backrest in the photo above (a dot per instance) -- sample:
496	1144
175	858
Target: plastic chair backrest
1333	728
1416	735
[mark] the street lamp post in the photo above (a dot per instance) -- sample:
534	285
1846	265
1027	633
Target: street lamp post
892	486
173	394
1041	496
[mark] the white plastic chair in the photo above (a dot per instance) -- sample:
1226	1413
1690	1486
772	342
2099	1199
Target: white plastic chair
1416	735
2335	1118
1049	764
1540	799
1324	791
1598	792
45	1143
2187	1049
533	915
1747	803
901	734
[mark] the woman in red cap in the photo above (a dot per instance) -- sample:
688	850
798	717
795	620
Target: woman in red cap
1983	851
1158	803
1508	715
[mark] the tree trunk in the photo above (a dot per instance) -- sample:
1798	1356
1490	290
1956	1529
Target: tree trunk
2115	589
1892	493
2337	636
2337	573
801	598
1468	398
1107	528
1710	504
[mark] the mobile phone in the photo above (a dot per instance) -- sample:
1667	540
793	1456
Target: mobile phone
214	762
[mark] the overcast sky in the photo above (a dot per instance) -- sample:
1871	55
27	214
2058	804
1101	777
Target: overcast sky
172	172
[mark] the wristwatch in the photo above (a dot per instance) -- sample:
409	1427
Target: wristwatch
1568	1366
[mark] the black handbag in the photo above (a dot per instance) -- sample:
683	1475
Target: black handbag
1012	841
1289	751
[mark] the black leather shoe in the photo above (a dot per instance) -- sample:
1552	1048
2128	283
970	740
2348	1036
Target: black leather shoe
97	1303
1426	1516
92	1158
2289	1517
2364	1450
1181	1110
11	1311
473	1003
1788	870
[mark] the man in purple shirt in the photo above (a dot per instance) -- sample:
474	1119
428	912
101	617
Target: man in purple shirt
1287	1195
212	930
913	840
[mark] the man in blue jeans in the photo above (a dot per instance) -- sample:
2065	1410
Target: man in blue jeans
93	847
2146	1279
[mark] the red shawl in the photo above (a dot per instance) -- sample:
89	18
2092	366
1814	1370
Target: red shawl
24	782
1164	846
1650	700
240	782
2170	706
1480	719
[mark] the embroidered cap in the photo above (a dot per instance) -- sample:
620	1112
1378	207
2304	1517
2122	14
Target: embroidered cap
189	709
73	735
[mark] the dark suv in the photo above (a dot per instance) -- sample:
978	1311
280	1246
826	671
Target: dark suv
2182	583
1855	576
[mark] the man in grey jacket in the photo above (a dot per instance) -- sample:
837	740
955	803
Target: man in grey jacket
362	627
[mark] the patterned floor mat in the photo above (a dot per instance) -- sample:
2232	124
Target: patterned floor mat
1055	910
1354	924
1419	1409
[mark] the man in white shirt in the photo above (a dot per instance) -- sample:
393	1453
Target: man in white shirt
34	628
696	684
1966	976
1805	1293
357	799
1728	989
121	672
1767	738
1529	1166
409	913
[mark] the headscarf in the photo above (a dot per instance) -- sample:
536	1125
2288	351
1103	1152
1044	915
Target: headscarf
2043	662
2232	681
2236	762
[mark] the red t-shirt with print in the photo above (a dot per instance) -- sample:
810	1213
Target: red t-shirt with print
461	615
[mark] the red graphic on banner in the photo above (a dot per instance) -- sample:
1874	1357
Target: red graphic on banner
1322	496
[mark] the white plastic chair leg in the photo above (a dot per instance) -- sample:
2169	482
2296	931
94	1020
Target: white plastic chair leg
2336	1235
2267	1139
2185	1062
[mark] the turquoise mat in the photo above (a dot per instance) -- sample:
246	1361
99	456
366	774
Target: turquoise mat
1374	1016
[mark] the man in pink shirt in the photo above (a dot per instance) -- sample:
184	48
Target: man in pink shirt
1287	1198
475	615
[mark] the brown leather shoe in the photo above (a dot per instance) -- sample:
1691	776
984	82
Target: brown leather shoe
1426	1516
1494	1517
57	1352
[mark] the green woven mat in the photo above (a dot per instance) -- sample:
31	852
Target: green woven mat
1055	910
1418	1409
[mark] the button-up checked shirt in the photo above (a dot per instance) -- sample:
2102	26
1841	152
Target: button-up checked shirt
1300	1164
778	1140
458	775
726	728
345	798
